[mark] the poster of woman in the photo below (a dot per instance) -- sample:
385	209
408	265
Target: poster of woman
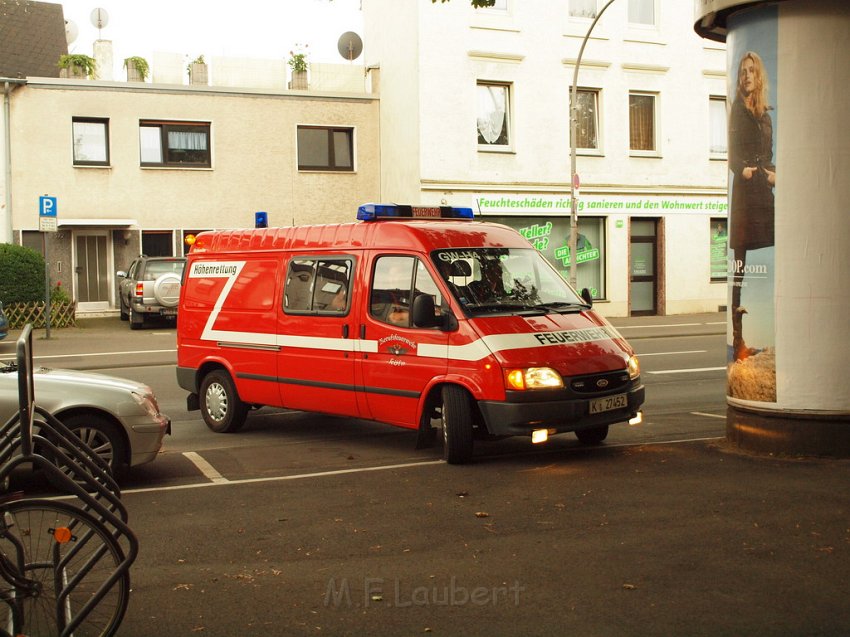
752	368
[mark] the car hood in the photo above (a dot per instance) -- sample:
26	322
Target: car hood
58	389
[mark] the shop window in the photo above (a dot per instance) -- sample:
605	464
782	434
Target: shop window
551	236
719	248
493	122
717	127
91	141
587	118
642	123
325	148
175	144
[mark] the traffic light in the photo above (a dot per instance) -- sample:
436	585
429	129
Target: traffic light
261	219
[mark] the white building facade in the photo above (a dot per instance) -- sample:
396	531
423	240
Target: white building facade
475	111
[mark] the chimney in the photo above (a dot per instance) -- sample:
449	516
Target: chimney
103	58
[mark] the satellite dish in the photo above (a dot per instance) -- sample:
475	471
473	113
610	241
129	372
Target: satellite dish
99	18
71	31
350	46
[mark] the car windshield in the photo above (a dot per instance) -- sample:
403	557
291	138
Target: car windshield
505	280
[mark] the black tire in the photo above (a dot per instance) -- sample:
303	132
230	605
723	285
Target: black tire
136	320
592	435
45	533
456	418
104	439
125	314
222	409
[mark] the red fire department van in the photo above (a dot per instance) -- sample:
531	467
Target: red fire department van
418	317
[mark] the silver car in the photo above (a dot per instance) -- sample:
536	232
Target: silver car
118	418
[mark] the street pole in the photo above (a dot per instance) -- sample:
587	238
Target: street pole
573	131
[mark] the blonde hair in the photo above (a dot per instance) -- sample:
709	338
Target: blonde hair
757	100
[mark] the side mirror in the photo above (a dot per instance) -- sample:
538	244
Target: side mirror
424	312
121	274
586	297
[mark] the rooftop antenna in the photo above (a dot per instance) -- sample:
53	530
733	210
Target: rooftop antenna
99	18
350	46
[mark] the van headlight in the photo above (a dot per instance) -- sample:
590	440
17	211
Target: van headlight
533	378
633	367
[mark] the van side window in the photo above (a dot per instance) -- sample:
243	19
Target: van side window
397	281
318	285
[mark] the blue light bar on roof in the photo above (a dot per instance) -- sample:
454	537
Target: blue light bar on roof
376	211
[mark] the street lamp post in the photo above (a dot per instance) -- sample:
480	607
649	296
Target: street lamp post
573	131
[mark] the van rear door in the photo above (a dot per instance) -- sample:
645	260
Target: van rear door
398	361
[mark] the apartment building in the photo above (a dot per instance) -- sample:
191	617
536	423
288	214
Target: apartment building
140	167
450	105
475	111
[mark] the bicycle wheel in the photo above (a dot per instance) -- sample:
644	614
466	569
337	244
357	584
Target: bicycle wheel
69	557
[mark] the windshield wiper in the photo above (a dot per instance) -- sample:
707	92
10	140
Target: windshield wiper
564	307
505	307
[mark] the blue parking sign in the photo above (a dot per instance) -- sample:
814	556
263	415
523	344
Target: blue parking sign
47	206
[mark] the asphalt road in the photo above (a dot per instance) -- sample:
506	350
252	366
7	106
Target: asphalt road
306	526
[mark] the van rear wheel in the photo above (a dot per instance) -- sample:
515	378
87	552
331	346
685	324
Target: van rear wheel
221	408
456	417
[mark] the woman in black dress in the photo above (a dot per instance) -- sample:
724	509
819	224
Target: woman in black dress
754	176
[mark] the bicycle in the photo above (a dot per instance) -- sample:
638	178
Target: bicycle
65	567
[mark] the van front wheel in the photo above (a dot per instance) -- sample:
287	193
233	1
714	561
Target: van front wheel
456	417
222	410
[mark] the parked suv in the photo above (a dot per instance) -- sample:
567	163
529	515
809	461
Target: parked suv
150	288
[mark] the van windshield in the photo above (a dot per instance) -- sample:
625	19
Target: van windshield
505	280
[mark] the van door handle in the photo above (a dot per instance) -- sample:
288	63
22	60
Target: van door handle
345	331
362	331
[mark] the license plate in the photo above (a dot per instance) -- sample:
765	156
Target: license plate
618	401
169	311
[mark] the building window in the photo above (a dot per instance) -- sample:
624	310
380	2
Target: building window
493	121
183	144
718	247
91	141
642	122
717	127
587	118
583	8
642	12
325	148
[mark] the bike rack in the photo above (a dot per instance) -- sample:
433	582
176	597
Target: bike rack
88	479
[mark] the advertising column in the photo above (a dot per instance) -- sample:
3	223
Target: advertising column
789	182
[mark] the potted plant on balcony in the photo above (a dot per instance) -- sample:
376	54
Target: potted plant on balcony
137	69
197	69
77	65
298	64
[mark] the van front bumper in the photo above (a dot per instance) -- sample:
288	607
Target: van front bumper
513	418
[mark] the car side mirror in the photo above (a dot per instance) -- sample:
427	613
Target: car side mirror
424	311
587	297
121	274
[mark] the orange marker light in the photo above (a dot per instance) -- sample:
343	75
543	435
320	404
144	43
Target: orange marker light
515	379
62	534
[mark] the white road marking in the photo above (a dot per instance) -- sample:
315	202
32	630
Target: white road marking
300	476
690	351
702	413
205	467
687	371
